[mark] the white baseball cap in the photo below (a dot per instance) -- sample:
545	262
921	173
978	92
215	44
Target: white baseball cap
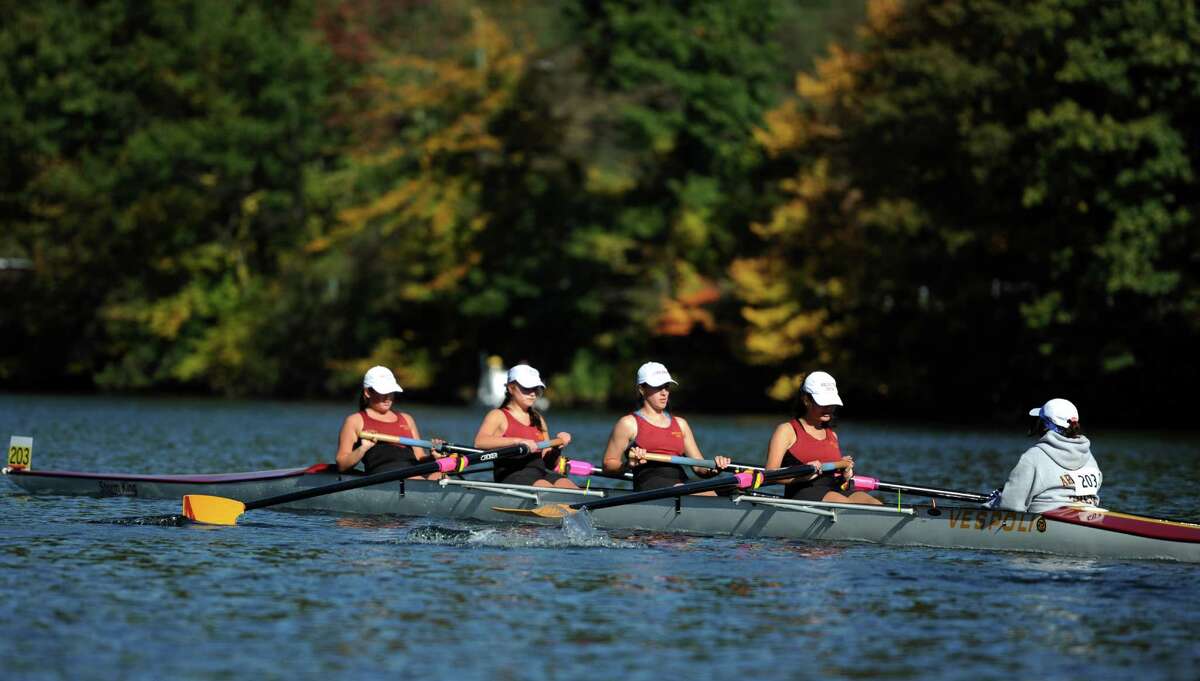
525	376
1058	411
381	380
823	389
654	374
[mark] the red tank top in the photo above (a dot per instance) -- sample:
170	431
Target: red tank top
659	440
808	448
399	427
517	429
385	455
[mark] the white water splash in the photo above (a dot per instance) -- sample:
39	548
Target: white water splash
577	531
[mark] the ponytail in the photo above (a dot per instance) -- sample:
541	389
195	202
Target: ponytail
1040	427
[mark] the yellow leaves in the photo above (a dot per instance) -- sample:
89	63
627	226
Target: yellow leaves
758	280
250	204
609	181
424	140
447	278
785	387
414	369
691	228
836	77
783	129
881	14
780	332
791	218
789	131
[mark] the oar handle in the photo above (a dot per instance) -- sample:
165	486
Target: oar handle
567	466
867	483
395	439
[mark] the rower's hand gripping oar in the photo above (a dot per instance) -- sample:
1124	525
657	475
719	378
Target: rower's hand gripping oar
213	510
746	480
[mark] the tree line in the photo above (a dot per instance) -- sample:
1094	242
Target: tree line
954	206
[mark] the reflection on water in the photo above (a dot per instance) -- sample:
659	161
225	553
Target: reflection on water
311	595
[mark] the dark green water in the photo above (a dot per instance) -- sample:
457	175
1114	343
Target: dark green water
309	595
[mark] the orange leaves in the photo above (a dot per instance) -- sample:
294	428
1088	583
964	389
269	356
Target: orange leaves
680	315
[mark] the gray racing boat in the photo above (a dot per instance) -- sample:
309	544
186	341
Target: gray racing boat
1067	531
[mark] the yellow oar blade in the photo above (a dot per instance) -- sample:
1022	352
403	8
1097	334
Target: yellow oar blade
547	511
212	510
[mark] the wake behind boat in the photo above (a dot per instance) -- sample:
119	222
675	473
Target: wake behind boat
1079	532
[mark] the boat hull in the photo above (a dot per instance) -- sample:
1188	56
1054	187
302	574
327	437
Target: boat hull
957	527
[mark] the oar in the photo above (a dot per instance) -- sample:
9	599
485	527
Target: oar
213	510
866	484
748	480
407	441
583	468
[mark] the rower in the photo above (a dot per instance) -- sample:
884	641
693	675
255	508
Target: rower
810	437
517	421
375	413
651	429
1058	470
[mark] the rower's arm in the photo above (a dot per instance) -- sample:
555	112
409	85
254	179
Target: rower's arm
783	438
347	456
691	449
418	452
491	433
623	433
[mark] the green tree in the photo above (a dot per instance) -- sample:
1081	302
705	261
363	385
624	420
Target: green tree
987	200
154	158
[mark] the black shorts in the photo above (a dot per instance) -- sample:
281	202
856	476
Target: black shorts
816	490
656	475
395	463
526	476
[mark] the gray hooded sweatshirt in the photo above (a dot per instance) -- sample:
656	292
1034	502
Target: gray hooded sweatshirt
1056	471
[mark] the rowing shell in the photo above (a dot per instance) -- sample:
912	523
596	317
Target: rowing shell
1093	533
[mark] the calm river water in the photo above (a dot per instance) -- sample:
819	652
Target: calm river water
292	595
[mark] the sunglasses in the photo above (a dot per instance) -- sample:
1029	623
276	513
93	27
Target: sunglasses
536	390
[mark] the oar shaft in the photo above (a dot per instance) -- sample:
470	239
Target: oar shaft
866	483
443	447
395	439
475	456
698	463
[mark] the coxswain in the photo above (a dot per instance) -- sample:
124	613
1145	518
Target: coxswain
1058	470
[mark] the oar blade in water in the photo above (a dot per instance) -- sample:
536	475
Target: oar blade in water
547	511
204	508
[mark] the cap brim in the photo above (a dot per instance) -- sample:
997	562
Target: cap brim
1036	411
827	399
527	387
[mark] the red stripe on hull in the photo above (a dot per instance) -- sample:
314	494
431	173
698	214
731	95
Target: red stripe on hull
1141	526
